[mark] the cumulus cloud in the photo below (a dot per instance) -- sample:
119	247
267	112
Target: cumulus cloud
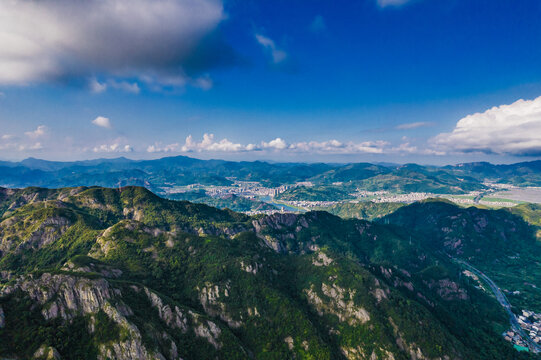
337	147
210	144
507	129
51	40
158	147
12	145
277	54
39	132
277	143
115	147
414	125
102	122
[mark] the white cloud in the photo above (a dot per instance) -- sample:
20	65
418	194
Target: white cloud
11	142
50	40
96	87
513	129
34	146
414	125
158	147
115	147
209	144
337	147
22	147
277	54
102	122
277	145
39	132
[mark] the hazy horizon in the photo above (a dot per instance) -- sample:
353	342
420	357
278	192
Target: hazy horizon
383	163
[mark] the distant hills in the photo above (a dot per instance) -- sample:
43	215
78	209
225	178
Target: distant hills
182	170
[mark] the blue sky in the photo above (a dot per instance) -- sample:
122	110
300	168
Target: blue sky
426	81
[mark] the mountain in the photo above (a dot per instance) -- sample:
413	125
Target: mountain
317	193
520	174
122	273
181	170
352	172
365	210
501	243
229	201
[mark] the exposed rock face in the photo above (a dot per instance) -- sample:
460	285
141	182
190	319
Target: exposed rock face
105	270
346	310
210	296
380	294
289	341
67	296
322	259
448	290
47	353
250	268
357	353
208	330
174	318
283	227
48	231
412	349
276	221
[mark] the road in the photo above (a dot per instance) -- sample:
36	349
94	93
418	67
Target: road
502	299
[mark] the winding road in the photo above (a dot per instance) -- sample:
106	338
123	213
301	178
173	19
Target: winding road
502	299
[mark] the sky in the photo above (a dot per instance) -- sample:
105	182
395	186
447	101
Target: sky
426	81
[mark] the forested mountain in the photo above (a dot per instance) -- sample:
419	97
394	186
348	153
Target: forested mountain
122	273
181	170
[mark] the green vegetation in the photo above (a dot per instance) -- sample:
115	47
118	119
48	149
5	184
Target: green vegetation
501	243
365	210
315	193
233	202
93	271
180	171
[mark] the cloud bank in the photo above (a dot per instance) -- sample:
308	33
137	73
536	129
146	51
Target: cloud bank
513	129
57	40
210	144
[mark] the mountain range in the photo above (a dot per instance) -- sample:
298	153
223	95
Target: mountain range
92	272
181	170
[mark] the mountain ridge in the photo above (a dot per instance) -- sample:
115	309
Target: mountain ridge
174	279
